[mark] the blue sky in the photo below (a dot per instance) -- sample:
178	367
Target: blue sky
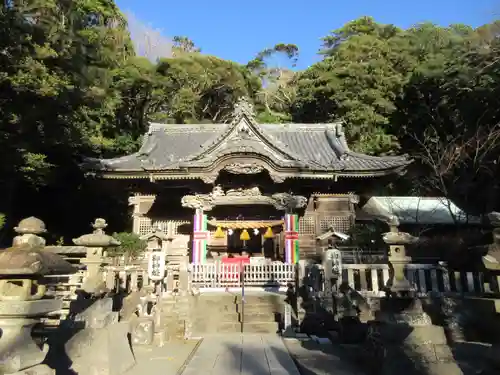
238	30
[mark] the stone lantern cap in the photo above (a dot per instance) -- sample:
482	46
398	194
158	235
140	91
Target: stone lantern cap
399	238
31	225
26	260
96	240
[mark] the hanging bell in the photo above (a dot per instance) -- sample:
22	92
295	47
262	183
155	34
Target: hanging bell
244	236
269	233
219	233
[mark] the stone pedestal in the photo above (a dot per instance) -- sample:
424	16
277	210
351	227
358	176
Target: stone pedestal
491	262
413	345
17	348
451	309
18	351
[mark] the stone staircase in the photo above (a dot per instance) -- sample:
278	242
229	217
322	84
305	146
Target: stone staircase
225	313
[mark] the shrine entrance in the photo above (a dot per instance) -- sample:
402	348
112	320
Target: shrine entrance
255	238
237	242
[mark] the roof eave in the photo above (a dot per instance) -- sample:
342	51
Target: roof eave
312	174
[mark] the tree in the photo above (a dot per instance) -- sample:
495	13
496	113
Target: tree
131	246
277	93
203	88
183	45
56	98
148	41
357	82
448	120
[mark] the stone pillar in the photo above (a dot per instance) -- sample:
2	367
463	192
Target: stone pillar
492	264
22	302
413	345
452	311
96	243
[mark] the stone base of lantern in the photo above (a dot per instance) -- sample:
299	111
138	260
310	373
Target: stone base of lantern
18	351
413	345
101	351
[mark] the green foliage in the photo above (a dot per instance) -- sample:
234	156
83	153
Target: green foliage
71	85
2	220
131	245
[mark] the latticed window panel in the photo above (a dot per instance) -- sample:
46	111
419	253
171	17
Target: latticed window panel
307	225
146	225
339	223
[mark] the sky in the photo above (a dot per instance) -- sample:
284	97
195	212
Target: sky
237	30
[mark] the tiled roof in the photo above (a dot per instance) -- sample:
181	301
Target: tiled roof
306	147
167	146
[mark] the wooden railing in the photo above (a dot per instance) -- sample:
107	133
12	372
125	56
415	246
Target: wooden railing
64	287
219	275
426	279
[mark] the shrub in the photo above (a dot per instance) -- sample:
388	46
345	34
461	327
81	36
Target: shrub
131	246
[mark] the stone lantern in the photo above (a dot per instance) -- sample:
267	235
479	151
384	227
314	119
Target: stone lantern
96	243
398	259
22	297
28	231
413	345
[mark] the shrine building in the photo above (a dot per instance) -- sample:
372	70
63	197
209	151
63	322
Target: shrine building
243	187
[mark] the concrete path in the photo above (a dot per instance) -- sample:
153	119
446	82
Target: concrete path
241	354
322	359
166	360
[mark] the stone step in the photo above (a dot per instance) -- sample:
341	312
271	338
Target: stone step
262	299
235	327
237	317
249	308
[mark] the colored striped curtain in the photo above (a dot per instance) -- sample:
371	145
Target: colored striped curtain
200	237
291	238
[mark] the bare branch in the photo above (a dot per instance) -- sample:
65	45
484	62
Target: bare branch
148	41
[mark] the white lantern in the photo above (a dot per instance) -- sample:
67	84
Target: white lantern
256	232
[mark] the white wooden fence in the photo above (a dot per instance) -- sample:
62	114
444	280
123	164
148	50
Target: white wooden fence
219	275
128	278
426	279
367	279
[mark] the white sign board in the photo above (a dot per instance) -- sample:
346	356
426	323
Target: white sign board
156	265
335	257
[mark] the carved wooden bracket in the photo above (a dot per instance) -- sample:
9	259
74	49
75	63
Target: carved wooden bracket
206	202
